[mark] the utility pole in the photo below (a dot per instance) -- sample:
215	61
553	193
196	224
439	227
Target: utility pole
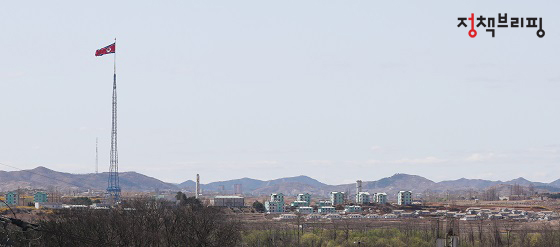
96	157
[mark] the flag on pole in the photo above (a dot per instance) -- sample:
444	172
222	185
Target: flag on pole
106	50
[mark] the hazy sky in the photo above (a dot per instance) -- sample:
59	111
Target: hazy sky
336	90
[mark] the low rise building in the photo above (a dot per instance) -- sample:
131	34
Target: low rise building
422	212
407	215
313	217
288	216
333	216
373	216
48	205
398	212
441	212
471	217
352	209
299	204
327	210
228	201
390	216
305	210
355	216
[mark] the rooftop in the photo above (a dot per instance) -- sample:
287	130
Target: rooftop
237	197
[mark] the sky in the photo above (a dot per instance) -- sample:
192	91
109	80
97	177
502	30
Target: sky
335	90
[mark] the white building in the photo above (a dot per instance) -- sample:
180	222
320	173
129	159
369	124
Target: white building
355	216
305	210
288	216
277	197
337	198
352	209
299	204
274	207
304	197
276	203
380	198
333	216
313	217
48	205
390	216
471	217
404	198
327	210
363	198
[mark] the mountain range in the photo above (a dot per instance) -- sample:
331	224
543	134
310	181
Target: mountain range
44	178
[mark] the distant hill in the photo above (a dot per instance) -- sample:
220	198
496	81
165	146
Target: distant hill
248	184
464	184
44	178
299	179
289	185
390	185
555	183
187	184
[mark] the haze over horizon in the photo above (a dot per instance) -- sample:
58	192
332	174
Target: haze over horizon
358	90
257	178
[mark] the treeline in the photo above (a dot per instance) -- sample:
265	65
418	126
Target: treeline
334	238
406	233
135	223
150	222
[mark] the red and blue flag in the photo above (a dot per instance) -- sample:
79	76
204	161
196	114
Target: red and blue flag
106	50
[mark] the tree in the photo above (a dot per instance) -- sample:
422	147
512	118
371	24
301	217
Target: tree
81	201
180	196
192	201
187	201
259	207
142	222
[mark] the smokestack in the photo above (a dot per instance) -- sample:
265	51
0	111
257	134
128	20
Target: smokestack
197	186
358	186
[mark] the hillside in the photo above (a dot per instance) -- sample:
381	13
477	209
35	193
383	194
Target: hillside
390	185
44	178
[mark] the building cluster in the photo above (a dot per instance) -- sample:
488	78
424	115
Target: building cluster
13	198
302	204
504	213
471	214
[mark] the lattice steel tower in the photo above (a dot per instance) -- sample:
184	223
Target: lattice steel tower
113	187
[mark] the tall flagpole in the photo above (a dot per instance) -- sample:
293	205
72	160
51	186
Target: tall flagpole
114	188
115	59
